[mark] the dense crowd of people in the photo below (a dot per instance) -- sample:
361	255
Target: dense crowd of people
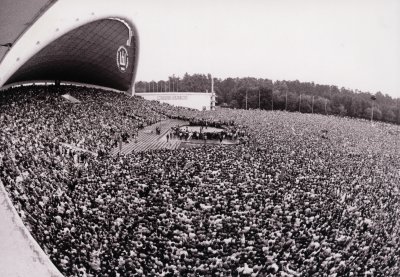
309	195
206	133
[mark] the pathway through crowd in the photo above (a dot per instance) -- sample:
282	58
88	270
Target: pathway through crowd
148	139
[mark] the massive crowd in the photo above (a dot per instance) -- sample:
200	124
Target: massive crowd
205	132
310	195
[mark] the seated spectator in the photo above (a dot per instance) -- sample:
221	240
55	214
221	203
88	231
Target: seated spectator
285	203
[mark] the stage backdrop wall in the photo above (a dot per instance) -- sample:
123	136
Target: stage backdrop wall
195	100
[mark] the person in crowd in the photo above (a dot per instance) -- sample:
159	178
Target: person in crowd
287	203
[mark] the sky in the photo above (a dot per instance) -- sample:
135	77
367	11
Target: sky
349	43
354	44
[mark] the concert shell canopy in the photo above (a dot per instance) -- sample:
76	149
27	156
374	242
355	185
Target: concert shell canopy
94	47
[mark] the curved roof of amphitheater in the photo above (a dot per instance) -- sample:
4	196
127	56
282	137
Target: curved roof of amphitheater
93	45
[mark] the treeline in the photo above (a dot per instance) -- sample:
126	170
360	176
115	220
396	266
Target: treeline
306	97
189	83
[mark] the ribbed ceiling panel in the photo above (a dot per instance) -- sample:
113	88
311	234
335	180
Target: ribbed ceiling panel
87	54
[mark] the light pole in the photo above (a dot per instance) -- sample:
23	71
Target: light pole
246	98
300	103
312	106
272	97
373	98
286	102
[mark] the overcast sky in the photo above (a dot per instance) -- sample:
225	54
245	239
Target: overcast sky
355	44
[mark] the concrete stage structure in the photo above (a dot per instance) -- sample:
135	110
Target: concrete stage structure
194	100
202	101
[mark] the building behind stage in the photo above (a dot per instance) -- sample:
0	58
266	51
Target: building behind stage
195	100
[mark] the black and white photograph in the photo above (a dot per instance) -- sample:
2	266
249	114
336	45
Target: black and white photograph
237	138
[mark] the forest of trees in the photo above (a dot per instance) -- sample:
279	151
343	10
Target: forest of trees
306	97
